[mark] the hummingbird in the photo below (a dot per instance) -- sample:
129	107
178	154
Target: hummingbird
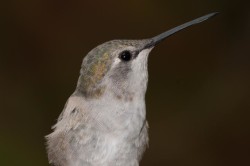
103	122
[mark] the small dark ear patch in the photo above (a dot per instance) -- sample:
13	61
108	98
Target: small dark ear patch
120	73
73	111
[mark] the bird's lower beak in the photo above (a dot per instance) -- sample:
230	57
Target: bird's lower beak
157	39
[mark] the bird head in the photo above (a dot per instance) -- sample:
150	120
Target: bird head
119	67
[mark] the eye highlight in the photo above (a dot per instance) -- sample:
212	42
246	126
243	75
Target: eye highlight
125	56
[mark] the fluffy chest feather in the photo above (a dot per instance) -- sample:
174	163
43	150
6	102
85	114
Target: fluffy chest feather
117	136
100	135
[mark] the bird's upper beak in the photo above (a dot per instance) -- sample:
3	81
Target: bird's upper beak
157	39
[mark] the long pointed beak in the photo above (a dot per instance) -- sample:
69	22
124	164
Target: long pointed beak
157	39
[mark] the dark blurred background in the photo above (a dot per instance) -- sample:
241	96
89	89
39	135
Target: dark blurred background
198	96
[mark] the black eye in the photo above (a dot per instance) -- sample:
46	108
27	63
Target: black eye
125	56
